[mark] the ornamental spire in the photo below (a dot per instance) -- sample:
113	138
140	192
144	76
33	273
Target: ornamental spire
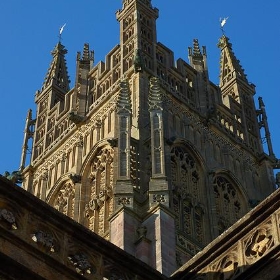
196	49
124	98
229	65
57	73
155	99
196	57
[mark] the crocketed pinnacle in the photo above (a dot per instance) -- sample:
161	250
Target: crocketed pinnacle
229	64
146	2
124	98
196	50
155	95
87	54
196	57
57	73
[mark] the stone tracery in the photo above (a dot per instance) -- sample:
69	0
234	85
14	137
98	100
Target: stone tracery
228	202
65	199
228	267
187	201
259	243
100	205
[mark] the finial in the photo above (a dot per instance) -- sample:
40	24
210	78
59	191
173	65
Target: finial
223	21
196	49
60	31
86	52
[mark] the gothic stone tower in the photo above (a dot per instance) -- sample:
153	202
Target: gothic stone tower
146	152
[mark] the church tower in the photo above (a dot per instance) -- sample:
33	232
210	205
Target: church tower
145	151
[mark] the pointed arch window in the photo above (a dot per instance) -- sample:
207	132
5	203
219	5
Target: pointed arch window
187	198
100	205
228	201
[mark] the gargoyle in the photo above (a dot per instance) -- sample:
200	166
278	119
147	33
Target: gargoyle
15	176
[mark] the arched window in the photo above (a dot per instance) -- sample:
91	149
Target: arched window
100	205
187	199
228	202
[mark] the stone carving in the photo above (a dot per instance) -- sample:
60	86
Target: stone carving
113	142
258	243
45	240
75	118
124	200
134	166
45	175
75	178
15	176
8	217
155	95
124	98
101	178
141	232
159	198
80	141
98	201
95	204
227	268
82	264
65	200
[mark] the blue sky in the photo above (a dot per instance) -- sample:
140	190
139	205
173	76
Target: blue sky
29	31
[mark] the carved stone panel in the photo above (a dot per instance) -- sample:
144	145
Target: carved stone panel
64	202
44	236
45	240
8	219
227	267
258	243
82	263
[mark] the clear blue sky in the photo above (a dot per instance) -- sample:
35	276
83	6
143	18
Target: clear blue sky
29	31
